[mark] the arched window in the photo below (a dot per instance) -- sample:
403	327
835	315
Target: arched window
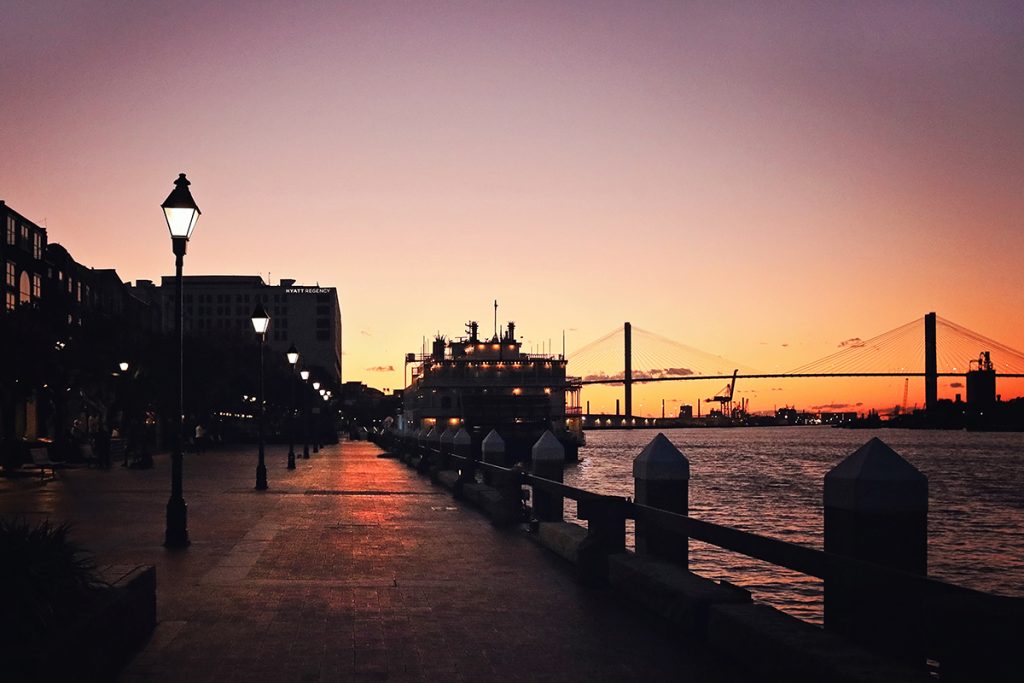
24	288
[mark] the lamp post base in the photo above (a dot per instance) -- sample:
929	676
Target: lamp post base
291	459
176	535
261	477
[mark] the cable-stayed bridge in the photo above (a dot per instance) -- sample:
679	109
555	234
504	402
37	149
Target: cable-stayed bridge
928	347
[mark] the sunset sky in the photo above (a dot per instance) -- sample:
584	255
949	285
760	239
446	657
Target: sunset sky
757	180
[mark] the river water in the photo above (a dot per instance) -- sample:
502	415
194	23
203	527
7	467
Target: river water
769	480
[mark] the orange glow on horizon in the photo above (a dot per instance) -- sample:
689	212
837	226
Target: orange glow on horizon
760	184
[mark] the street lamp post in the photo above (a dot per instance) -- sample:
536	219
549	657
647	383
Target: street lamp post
293	359
181	213
316	427
260	323
304	374
122	401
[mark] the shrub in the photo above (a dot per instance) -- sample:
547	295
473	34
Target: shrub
46	583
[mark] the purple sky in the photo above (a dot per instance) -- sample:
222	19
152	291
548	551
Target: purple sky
680	165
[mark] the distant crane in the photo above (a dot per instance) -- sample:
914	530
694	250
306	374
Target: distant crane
906	387
724	397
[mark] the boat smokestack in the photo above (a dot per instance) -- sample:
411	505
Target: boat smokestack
437	350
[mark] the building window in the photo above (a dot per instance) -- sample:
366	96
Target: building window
12	231
323	335
25	290
9	301
37	287
37	246
24	236
78	292
11	278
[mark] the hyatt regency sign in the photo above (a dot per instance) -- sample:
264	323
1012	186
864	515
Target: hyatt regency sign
307	290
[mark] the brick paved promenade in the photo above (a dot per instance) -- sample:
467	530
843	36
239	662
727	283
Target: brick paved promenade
351	567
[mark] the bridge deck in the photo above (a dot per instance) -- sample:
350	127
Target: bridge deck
349	568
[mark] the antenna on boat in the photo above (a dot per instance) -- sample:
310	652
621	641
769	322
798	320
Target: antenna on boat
495	318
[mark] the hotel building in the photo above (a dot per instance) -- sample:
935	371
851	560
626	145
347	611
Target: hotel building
307	316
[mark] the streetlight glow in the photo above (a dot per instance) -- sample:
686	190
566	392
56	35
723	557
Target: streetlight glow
292	354
260	320
180	210
123	365
304	374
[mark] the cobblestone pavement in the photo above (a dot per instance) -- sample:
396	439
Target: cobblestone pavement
351	567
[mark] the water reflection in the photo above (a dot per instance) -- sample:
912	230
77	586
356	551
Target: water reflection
769	481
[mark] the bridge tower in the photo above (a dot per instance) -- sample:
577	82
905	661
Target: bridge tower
627	332
931	366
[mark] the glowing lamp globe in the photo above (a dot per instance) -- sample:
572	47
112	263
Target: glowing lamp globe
180	210
260	319
292	354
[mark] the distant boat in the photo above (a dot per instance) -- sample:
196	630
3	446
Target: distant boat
481	385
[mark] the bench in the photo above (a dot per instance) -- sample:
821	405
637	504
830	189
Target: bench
42	462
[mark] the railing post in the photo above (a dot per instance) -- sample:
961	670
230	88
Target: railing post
661	479
445	449
876	510
414	444
548	456
606	535
431	454
492	451
462	446
422	446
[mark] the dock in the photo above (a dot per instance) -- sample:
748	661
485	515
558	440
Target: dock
351	567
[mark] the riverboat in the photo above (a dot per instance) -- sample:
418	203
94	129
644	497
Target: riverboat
484	384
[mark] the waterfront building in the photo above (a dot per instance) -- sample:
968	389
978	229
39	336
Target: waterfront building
21	251
74	323
221	305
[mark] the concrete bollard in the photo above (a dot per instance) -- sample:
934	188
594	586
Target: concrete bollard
876	510
422	446
414	444
433	449
661	479
492	451
548	457
444	450
462	446
405	442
